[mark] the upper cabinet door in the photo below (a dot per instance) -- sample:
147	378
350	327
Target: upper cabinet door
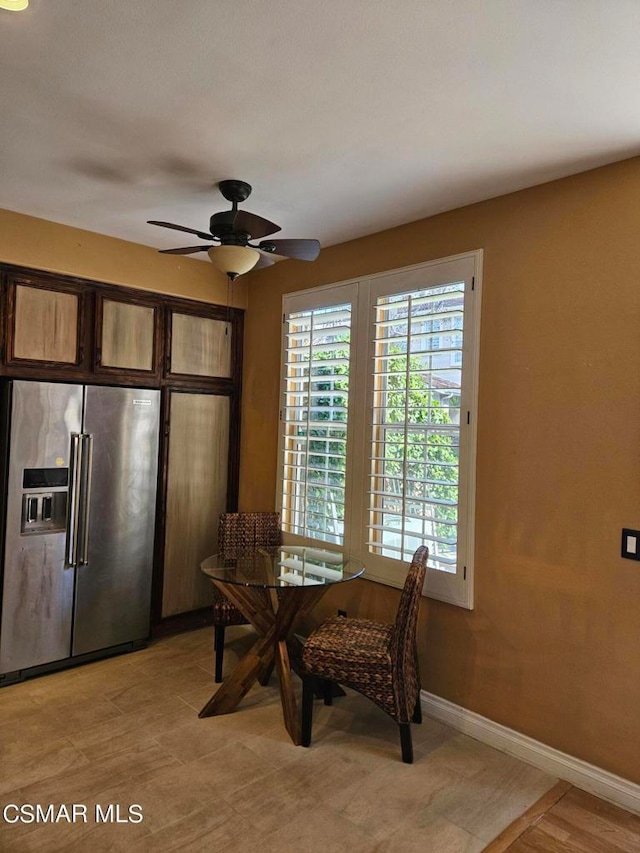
126	335
200	346
44	323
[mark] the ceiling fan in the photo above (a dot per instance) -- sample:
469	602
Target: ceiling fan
233	229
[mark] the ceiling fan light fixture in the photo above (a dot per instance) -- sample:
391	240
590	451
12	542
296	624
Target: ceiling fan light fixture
14	5
233	260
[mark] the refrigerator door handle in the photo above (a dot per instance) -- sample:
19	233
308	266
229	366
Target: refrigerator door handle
83	537
73	505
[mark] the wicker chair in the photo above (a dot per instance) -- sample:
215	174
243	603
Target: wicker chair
238	530
380	661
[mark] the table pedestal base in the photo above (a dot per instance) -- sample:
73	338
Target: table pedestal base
272	612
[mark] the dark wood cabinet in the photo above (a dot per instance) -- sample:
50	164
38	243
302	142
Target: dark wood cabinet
128	335
201	343
45	323
58	328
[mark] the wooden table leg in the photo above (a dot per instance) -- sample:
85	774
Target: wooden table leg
243	677
296	603
256	607
287	694
273	618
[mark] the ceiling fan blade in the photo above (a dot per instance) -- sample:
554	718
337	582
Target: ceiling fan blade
200	234
255	226
303	250
188	250
264	261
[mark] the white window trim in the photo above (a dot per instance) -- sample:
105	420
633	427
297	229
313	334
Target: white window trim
455	589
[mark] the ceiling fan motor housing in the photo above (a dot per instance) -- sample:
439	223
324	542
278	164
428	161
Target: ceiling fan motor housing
226	233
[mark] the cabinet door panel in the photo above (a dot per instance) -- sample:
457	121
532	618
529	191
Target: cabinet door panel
200	346
196	495
45	325
127	335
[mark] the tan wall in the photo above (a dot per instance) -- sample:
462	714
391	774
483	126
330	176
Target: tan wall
39	244
552	648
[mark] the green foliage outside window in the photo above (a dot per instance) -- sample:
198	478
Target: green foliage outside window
428	458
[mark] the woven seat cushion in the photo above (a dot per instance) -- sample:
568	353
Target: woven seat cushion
224	612
355	652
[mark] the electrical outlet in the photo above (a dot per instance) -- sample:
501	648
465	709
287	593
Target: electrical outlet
630	544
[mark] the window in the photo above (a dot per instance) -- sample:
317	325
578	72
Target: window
413	493
314	428
377	438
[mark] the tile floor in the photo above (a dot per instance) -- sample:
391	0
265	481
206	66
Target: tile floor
125	731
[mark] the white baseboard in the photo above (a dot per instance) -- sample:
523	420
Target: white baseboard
580	773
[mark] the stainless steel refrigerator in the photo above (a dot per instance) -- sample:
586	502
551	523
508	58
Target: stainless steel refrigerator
80	465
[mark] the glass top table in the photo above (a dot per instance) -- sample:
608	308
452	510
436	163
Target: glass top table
273	588
284	566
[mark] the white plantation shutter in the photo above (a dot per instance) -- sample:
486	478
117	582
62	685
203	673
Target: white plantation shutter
314	422
415	424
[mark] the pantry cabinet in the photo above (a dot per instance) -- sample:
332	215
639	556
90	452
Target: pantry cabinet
198	454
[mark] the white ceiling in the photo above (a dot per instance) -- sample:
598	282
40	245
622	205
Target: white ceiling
346	116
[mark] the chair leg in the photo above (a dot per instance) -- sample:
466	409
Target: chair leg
218	645
417	711
307	709
406	743
265	675
327	691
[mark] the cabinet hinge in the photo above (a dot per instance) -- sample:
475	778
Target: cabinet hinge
283	319
280	414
